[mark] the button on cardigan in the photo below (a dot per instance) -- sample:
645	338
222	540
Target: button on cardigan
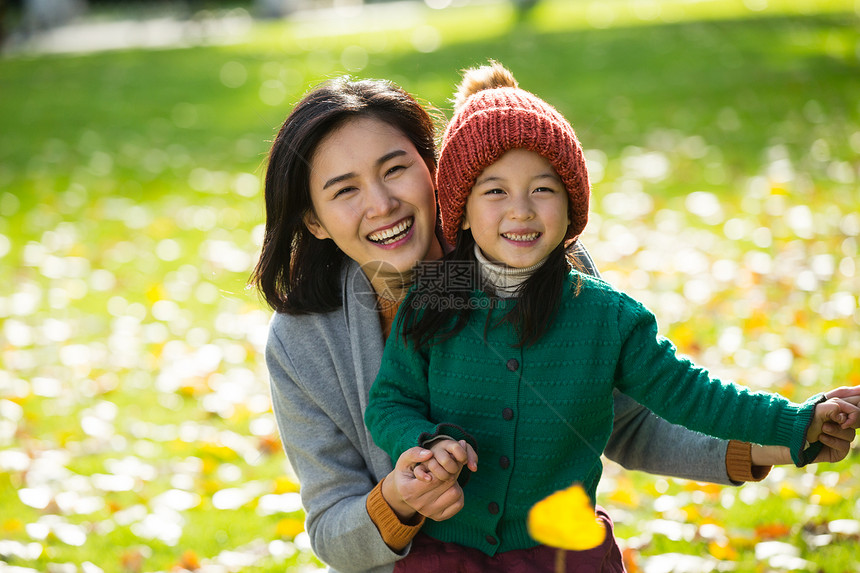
561	402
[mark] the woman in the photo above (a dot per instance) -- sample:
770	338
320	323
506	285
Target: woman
350	210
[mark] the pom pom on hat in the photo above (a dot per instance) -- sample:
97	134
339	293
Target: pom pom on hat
493	116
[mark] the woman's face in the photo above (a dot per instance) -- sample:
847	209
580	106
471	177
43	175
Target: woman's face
372	194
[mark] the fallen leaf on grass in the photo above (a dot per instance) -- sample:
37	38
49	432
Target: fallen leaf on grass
625	496
12	525
772	531
132	561
189	561
722	551
288	528
823	495
285	485
630	557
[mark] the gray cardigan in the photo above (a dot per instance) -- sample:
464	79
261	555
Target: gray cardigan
322	367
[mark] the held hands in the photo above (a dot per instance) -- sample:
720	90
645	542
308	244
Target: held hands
449	457
840	413
408	496
836	440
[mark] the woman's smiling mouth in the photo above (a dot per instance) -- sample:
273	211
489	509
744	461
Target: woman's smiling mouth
392	234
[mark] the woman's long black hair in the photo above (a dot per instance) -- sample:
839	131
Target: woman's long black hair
426	320
298	273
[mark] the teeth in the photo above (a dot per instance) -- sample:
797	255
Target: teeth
384	236
515	237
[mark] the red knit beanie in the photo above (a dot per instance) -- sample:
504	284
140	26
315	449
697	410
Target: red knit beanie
495	120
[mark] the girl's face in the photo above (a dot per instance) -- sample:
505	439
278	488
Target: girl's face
517	209
373	195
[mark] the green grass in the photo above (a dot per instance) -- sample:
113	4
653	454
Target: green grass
130	213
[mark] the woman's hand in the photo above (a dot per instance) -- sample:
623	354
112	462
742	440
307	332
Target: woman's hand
836	442
836	439
409	496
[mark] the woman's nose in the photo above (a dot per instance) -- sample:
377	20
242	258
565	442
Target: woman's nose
380	201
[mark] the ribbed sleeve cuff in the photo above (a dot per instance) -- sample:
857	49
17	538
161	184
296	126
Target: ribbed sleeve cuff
455	433
794	425
739	464
452	431
394	532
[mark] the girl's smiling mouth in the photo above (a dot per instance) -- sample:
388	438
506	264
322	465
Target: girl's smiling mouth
392	234
521	237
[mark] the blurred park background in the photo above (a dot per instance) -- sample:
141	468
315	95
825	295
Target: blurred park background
723	139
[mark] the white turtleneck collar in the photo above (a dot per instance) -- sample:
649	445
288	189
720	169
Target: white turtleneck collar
503	280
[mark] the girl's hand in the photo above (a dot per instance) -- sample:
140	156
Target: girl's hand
408	496
449	457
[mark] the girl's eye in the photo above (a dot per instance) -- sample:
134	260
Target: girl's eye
544	189
343	191
495	191
395	169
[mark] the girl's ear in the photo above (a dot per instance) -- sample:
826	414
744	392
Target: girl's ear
313	225
465	225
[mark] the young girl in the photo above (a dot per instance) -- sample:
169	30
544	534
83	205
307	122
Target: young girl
521	365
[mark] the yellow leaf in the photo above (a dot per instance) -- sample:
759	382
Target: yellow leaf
288	528
155	293
683	336
284	484
189	561
823	495
13	525
786	491
625	496
566	520
624	492
722	551
210	486
756	321
713	491
693	512
217	452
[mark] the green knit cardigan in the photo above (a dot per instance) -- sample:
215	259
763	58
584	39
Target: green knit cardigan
541	416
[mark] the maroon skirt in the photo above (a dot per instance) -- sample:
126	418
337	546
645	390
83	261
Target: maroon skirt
429	555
